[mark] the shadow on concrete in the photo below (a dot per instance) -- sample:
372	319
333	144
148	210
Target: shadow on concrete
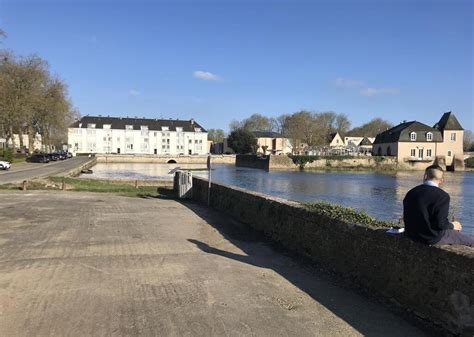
360	311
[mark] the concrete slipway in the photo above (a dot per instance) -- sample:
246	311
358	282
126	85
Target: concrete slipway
83	264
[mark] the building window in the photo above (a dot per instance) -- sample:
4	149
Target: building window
428	153
190	141
128	127
453	136
449	153
389	151
413	152
413	136
429	136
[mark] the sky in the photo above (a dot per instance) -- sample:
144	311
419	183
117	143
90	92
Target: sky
216	61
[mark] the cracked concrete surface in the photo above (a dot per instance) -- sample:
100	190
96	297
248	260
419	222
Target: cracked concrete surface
84	264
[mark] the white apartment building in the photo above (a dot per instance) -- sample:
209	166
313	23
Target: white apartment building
136	136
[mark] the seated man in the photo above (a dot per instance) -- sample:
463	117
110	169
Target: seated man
425	212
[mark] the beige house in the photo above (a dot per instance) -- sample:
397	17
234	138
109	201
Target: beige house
418	142
15	141
274	142
335	140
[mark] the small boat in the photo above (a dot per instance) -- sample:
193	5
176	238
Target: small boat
88	171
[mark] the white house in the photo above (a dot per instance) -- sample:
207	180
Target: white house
136	136
355	141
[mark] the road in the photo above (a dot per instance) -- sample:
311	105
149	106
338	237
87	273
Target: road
84	264
27	171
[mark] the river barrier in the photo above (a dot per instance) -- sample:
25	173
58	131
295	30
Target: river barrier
433	283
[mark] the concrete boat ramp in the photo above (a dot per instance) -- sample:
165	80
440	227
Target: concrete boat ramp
84	264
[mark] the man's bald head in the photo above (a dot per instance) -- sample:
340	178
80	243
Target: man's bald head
435	173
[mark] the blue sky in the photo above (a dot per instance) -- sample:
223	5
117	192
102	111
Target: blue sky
218	61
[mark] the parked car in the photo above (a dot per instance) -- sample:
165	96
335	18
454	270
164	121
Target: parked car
5	165
52	156
60	155
38	158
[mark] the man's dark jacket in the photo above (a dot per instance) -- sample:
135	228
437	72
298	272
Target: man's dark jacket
425	212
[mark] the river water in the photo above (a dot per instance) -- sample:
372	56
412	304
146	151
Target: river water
379	194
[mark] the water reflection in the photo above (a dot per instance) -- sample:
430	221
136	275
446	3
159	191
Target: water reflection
379	194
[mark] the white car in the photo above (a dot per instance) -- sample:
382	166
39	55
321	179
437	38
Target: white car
4	165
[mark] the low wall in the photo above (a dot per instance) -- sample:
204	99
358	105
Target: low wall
161	159
283	162
435	283
387	163
252	161
77	171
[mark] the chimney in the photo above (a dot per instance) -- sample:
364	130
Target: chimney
192	121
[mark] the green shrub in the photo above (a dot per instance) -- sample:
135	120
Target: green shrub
346	214
7	155
301	161
469	162
378	159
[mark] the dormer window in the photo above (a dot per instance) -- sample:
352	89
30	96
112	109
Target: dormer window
413	136
106	126
429	136
197	129
144	127
165	128
179	129
128	127
91	126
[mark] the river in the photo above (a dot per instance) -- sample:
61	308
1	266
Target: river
378	193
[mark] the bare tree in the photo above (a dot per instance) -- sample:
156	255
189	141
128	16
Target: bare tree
32	101
371	129
216	135
468	141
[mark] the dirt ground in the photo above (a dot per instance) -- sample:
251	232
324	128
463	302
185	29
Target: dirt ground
84	264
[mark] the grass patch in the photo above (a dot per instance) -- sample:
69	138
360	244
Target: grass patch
104	186
346	214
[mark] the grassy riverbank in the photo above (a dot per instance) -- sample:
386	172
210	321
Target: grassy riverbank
127	188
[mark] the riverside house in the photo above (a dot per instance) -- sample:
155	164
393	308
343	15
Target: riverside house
137	136
413	141
335	140
275	142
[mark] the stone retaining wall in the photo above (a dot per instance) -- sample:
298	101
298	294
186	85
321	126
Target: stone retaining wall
435	283
77	171
283	162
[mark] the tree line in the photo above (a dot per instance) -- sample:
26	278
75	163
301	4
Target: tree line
311	128
32	101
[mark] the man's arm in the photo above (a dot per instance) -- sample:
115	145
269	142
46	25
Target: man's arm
439	218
